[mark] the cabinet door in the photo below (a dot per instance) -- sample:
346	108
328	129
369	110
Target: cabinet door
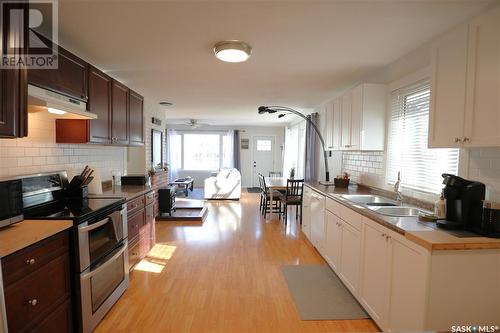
70	77
100	104
356	114
333	240
13	95
329	126
119	109
350	258
374	267
346	121
482	114
447	106
318	222
337	123
409	271
306	213
136	120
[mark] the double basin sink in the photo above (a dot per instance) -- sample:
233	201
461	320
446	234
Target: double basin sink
383	206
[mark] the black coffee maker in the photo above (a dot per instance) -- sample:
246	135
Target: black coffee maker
464	203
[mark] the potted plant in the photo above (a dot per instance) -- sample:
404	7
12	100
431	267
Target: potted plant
292	173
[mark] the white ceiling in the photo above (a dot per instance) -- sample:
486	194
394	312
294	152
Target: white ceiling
303	51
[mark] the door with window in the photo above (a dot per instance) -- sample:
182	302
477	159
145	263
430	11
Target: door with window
263	157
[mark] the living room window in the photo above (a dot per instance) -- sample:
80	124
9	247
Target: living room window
199	150
420	167
202	152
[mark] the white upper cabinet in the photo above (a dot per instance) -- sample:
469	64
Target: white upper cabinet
482	108
356	120
465	109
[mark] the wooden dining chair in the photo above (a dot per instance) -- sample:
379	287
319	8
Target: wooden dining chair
267	204
292	197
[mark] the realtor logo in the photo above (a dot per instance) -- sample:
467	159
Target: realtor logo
29	34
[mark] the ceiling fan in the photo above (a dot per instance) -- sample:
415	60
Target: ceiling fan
193	123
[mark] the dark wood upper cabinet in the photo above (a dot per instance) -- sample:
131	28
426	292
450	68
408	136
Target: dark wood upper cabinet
100	104
120	114
14	94
70	78
136	119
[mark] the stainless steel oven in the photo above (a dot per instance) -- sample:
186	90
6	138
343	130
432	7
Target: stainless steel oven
103	261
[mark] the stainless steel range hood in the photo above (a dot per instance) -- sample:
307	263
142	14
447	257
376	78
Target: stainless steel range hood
60	106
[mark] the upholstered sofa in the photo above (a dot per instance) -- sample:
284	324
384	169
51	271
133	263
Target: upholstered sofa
225	185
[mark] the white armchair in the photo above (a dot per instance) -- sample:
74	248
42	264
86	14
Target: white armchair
225	185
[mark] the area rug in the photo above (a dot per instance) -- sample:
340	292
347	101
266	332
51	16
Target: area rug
320	295
253	190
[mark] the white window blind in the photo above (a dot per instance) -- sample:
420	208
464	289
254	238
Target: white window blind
420	167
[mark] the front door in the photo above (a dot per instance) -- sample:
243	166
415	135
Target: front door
263	157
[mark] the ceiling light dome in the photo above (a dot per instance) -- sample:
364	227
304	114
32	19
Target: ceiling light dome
232	51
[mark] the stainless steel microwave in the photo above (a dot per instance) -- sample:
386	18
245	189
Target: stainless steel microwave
11	202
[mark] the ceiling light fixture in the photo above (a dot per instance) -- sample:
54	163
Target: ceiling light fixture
232	51
166	103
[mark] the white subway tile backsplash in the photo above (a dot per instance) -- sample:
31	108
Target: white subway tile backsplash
39	153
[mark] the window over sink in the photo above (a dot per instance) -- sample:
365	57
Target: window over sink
420	167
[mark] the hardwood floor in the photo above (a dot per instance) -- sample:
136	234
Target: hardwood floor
222	276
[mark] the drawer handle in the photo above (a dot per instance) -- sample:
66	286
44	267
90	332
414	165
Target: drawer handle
30	261
33	302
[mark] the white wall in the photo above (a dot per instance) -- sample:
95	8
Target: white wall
38	152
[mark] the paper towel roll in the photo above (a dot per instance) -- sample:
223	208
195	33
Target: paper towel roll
95	186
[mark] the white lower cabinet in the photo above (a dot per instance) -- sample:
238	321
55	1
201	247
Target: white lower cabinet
404	286
306	212
318	230
350	258
333	240
375	273
408	285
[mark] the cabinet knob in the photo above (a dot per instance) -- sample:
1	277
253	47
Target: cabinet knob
465	139
458	140
30	261
33	302
383	235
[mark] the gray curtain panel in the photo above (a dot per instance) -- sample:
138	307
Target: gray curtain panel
236	152
311	151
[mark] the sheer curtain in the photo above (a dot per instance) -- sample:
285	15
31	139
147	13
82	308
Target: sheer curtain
294	152
228	150
174	153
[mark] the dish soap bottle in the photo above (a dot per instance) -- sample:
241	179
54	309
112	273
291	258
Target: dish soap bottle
440	207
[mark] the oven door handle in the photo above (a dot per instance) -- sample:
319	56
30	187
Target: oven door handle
94	225
105	265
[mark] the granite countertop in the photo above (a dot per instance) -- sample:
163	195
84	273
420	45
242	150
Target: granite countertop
28	232
421	233
126	191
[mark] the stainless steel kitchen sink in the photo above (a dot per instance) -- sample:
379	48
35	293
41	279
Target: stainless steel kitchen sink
368	199
397	211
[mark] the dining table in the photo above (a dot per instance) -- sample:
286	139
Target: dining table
274	184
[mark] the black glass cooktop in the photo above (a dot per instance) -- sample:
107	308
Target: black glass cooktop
73	209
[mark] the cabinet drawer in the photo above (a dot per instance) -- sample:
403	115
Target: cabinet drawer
149	198
31	299
19	264
351	217
135	223
334	207
135	205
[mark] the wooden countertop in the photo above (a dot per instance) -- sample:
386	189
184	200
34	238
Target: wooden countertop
439	240
418	232
20	235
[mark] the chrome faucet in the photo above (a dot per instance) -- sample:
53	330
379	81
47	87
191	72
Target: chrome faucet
397	190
